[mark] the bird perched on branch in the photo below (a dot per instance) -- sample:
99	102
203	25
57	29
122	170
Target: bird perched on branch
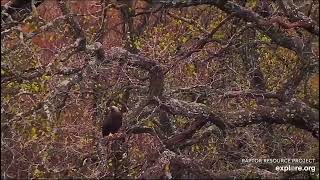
112	122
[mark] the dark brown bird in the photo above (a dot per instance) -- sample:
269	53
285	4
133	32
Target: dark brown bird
112	122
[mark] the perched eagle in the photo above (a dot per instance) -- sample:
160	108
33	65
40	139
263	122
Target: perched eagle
112	122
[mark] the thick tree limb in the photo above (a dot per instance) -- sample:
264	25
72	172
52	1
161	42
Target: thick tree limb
198	111
298	17
295	113
262	24
156	76
251	94
266	26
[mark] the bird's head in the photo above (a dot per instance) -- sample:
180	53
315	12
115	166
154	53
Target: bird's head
114	109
